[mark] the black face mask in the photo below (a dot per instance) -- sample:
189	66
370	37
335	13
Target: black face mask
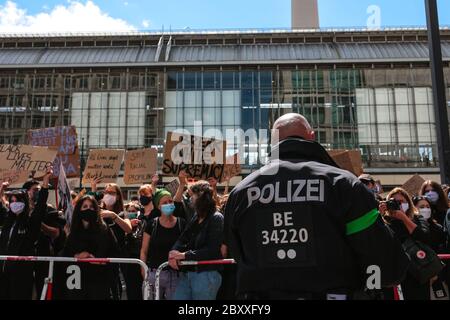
145	201
89	215
35	197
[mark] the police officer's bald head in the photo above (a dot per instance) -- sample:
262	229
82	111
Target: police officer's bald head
292	125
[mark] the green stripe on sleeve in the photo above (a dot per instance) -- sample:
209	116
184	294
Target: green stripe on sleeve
363	222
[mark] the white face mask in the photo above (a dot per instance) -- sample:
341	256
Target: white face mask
109	200
433	196
17	207
425	212
405	207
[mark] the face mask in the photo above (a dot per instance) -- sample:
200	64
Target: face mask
17	207
405	207
89	215
109	200
145	201
433	196
168	209
132	215
425	212
35	196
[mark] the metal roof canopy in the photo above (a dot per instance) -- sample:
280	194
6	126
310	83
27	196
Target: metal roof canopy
218	55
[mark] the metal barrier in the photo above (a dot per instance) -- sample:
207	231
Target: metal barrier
47	291
398	292
48	286
187	263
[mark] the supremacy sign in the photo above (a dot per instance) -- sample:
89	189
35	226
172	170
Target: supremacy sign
199	157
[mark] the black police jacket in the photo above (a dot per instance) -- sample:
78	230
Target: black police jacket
302	225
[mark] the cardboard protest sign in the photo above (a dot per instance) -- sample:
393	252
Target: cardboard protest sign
349	160
140	166
14	177
232	168
413	185
64	139
201	158
103	164
173	187
18	163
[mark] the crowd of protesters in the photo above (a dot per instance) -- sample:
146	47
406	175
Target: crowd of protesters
420	219
158	226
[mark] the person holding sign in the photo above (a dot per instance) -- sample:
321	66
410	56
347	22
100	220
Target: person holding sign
21	228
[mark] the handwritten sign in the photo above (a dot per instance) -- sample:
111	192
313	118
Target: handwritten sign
64	139
173	187
104	164
140	166
18	163
413	185
14	177
201	158
349	160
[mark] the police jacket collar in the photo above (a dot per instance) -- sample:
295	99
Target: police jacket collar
299	149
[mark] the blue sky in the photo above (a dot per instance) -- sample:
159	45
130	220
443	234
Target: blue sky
214	14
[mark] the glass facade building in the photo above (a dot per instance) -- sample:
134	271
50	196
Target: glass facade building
384	109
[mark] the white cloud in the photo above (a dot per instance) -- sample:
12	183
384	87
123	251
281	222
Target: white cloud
146	23
76	16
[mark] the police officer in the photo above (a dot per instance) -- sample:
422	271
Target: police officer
301	228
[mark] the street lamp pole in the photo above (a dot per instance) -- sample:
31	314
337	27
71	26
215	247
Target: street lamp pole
439	97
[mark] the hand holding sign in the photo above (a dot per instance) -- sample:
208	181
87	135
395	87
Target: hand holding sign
183	177
47	177
94	182
3	187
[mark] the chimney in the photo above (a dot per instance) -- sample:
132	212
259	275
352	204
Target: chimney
305	14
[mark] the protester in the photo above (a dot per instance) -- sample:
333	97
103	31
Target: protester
159	237
146	200
201	240
113	215
52	235
407	224
133	240
438	237
90	238
439	202
21	227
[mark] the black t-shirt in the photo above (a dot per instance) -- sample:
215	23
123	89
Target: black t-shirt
161	241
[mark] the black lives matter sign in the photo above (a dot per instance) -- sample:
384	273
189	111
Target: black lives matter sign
17	163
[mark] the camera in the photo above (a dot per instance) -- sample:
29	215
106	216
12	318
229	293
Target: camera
393	205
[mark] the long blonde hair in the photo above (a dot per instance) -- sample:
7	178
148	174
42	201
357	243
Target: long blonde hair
412	211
